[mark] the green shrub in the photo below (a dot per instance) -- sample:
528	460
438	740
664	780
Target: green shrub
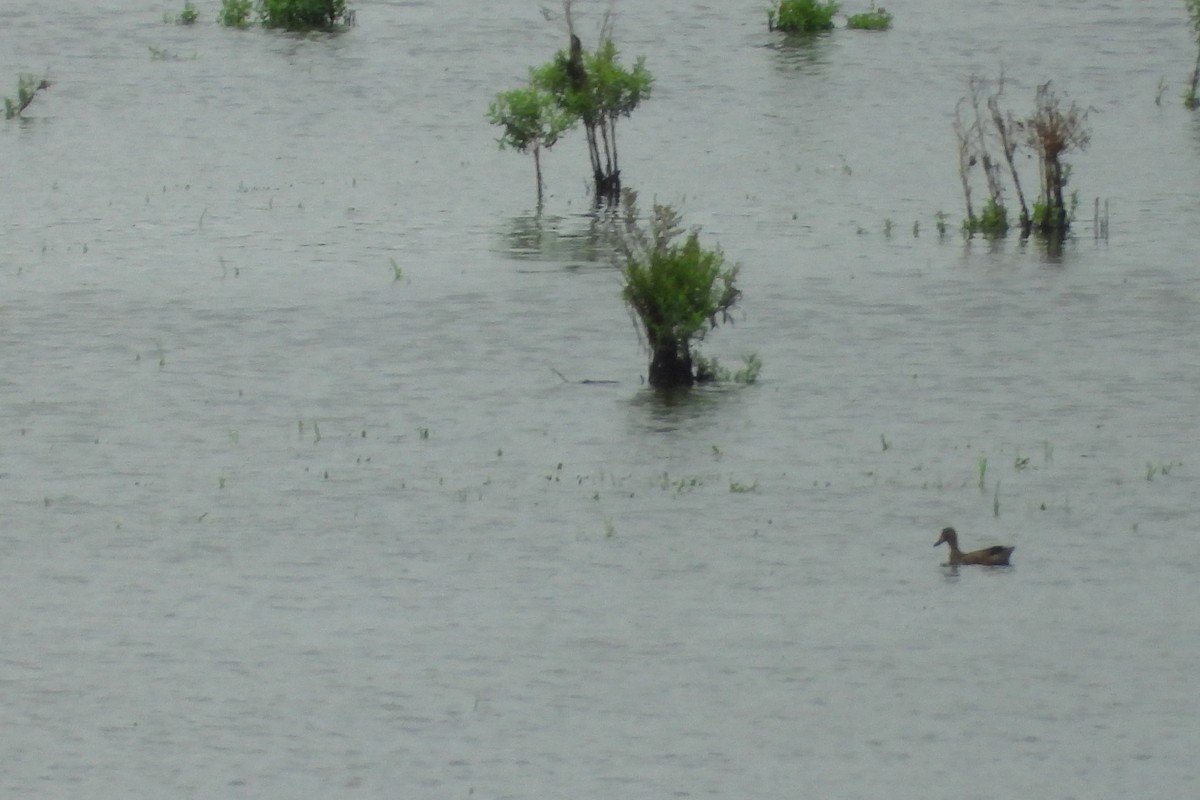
189	15
678	291
303	14
595	88
27	88
235	13
532	121
992	222
802	16
877	19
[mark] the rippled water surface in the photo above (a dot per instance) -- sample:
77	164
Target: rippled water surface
276	523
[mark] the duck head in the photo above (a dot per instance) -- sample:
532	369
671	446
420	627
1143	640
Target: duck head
948	536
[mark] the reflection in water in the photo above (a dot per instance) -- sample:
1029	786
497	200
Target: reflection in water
573	240
807	53
667	410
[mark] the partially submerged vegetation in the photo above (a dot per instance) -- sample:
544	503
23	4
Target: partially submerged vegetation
876	19
1050	132
532	122
304	14
27	88
189	15
677	291
576	86
802	16
235	13
1191	98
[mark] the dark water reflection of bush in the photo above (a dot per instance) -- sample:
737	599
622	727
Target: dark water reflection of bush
573	240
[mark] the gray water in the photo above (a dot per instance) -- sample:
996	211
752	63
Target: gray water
276	524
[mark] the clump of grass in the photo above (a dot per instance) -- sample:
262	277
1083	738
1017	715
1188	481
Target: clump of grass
802	16
939	220
709	370
299	15
738	487
189	15
992	222
235	13
1153	469
27	88
877	19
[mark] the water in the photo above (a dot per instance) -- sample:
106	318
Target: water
278	525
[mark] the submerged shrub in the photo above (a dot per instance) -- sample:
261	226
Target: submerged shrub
1190	98
1050	132
189	15
877	19
303	14
802	16
992	222
532	121
235	13
594	88
27	88
677	291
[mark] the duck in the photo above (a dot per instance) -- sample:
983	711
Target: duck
996	556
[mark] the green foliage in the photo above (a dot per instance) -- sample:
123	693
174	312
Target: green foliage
303	14
593	87
530	118
710	370
678	291
1051	131
1191	98
877	19
27	88
939	219
189	15
992	222
802	16
607	92
235	13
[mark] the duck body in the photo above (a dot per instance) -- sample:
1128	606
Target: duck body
989	557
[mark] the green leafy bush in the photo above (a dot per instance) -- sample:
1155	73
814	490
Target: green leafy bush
992	221
235	13
27	88
189	15
303	14
595	88
532	121
877	19
678	291
802	16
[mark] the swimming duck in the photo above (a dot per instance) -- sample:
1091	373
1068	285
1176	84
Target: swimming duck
989	557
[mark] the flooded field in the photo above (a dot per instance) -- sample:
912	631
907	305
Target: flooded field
297	501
